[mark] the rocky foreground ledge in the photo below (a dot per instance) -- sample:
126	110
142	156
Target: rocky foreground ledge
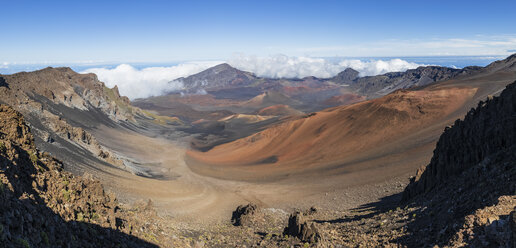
41	205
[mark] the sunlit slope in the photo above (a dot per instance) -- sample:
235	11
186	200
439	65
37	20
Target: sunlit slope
337	133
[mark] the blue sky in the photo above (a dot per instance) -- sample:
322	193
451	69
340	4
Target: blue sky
159	31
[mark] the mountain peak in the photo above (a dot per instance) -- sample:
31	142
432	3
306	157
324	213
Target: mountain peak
224	66
57	69
346	76
219	76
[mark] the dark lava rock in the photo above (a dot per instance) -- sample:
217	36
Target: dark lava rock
298	227
486	130
242	215
3	83
41	205
312	210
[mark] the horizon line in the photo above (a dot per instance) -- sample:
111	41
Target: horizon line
100	62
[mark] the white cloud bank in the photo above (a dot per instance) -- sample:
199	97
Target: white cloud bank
282	66
154	81
377	67
151	81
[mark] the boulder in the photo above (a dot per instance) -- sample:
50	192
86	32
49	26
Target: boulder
242	216
300	228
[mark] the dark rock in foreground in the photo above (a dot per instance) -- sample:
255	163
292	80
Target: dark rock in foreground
41	205
299	227
485	131
243	214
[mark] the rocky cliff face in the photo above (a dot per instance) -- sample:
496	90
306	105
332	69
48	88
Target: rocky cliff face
485	131
41	205
62	107
31	90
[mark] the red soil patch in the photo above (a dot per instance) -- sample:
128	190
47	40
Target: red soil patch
344	99
332	136
279	110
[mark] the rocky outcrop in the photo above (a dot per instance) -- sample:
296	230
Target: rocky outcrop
66	87
81	137
485	131
242	216
41	205
300	228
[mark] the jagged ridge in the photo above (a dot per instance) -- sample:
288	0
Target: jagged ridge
485	131
374	86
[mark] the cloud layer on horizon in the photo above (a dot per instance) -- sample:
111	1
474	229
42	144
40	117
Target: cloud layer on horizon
282	66
153	81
